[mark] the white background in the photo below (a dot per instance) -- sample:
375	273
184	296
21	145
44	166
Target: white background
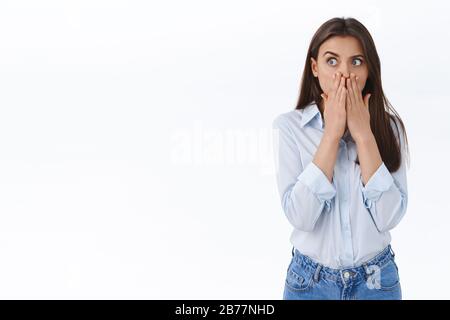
121	171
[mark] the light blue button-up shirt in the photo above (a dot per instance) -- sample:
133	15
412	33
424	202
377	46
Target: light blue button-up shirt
341	223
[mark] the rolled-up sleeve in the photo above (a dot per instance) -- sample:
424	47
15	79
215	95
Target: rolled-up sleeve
386	194
305	192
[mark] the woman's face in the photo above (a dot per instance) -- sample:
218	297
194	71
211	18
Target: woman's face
339	54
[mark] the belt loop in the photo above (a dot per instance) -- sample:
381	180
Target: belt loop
293	250
316	274
392	251
366	268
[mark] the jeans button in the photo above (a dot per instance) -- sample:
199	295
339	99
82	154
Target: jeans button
346	274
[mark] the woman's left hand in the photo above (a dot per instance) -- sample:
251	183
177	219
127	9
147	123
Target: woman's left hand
358	116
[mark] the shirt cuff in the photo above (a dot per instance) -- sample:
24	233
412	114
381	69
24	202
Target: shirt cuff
378	183
314	178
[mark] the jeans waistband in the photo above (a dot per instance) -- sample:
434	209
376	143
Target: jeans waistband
358	272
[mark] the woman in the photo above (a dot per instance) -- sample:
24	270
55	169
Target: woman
341	171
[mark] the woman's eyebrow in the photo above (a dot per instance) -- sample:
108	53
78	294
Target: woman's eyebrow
357	55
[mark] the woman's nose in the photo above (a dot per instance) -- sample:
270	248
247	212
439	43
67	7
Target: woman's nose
345	74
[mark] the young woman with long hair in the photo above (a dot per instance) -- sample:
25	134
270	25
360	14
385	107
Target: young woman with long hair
341	171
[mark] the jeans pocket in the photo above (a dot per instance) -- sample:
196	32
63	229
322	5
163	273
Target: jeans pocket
389	276
297	278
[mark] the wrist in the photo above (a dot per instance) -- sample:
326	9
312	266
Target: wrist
365	138
330	137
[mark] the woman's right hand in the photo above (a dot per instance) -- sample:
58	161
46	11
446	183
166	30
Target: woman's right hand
334	114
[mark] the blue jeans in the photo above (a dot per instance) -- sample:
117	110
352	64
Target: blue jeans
376	279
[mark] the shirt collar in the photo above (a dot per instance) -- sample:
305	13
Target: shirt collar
311	113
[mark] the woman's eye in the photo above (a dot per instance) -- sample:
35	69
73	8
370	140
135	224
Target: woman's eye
330	60
359	61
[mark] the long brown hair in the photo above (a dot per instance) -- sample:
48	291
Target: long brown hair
379	106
